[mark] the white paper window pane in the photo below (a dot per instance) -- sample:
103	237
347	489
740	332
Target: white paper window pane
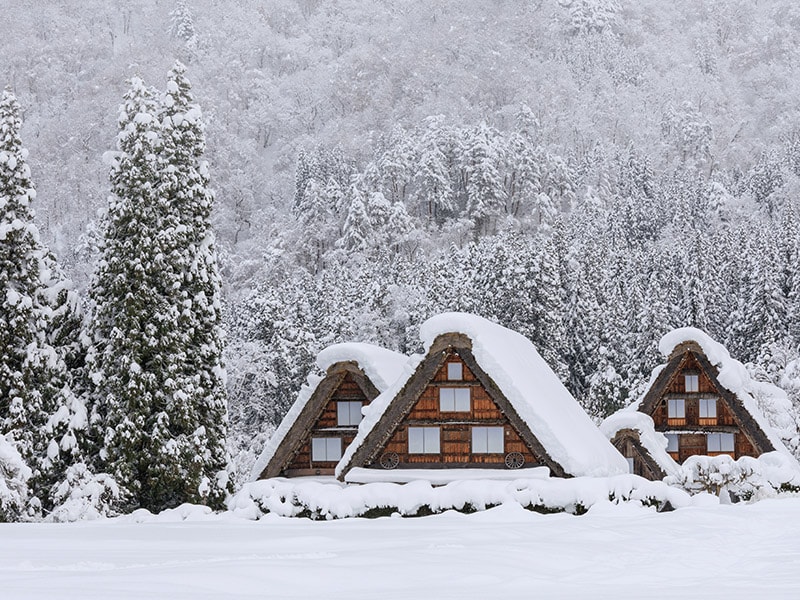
462	400
447	399
692	383
416	440
494	442
479	440
726	442
455	371
630	465
319	449
326	449
676	409
713	442
672	442
708	408
334	449
348	413
431	440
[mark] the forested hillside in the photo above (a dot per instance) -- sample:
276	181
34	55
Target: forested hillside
591	173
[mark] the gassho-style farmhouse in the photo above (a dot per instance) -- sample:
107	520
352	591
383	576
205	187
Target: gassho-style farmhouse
481	403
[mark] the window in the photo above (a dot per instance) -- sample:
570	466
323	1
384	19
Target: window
708	408
487	440
676	408
454	399
326	449
672	442
455	371
708	411
692	382
348	412
630	464
720	442
423	440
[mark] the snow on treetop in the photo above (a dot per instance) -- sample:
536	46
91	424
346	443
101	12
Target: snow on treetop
380	365
540	399
768	404
653	441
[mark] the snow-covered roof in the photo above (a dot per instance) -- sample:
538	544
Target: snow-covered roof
531	387
654	442
769	405
380	365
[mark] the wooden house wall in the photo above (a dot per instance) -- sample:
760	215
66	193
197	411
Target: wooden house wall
692	432
456	427
327	426
627	443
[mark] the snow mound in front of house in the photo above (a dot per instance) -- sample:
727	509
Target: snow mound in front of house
334	500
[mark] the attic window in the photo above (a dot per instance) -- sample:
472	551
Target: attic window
692	381
455	371
676	411
630	464
708	411
487	440
326	449
720	442
423	440
454	399
348	412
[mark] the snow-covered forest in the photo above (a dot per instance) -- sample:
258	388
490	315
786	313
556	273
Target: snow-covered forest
591	173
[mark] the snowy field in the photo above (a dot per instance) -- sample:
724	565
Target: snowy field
741	551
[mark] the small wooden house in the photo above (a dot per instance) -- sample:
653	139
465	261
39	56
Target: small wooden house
704	403
633	434
325	417
480	397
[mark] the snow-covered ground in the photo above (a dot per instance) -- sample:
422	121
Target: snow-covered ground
621	551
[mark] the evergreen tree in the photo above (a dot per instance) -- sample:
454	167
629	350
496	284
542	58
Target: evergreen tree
38	411
156	338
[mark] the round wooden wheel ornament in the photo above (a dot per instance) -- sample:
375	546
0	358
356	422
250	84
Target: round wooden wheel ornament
514	460
390	460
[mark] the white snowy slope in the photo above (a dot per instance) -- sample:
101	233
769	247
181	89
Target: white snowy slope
382	366
540	399
759	398
737	552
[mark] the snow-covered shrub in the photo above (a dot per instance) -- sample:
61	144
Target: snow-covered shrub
14	475
334	500
83	495
745	478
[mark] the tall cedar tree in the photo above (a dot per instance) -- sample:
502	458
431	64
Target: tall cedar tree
39	327
160	407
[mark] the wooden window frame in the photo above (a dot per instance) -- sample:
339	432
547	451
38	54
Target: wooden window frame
719	436
329	444
427	439
455	404
350	404
479	432
452	375
695	378
707	419
676	418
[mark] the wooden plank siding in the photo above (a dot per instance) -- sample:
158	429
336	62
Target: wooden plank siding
456	426
351	386
692	430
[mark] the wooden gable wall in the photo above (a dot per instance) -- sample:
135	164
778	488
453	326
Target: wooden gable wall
326	426
455	427
693	430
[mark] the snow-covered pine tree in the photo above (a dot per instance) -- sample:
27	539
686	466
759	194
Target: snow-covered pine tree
39	413
185	182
